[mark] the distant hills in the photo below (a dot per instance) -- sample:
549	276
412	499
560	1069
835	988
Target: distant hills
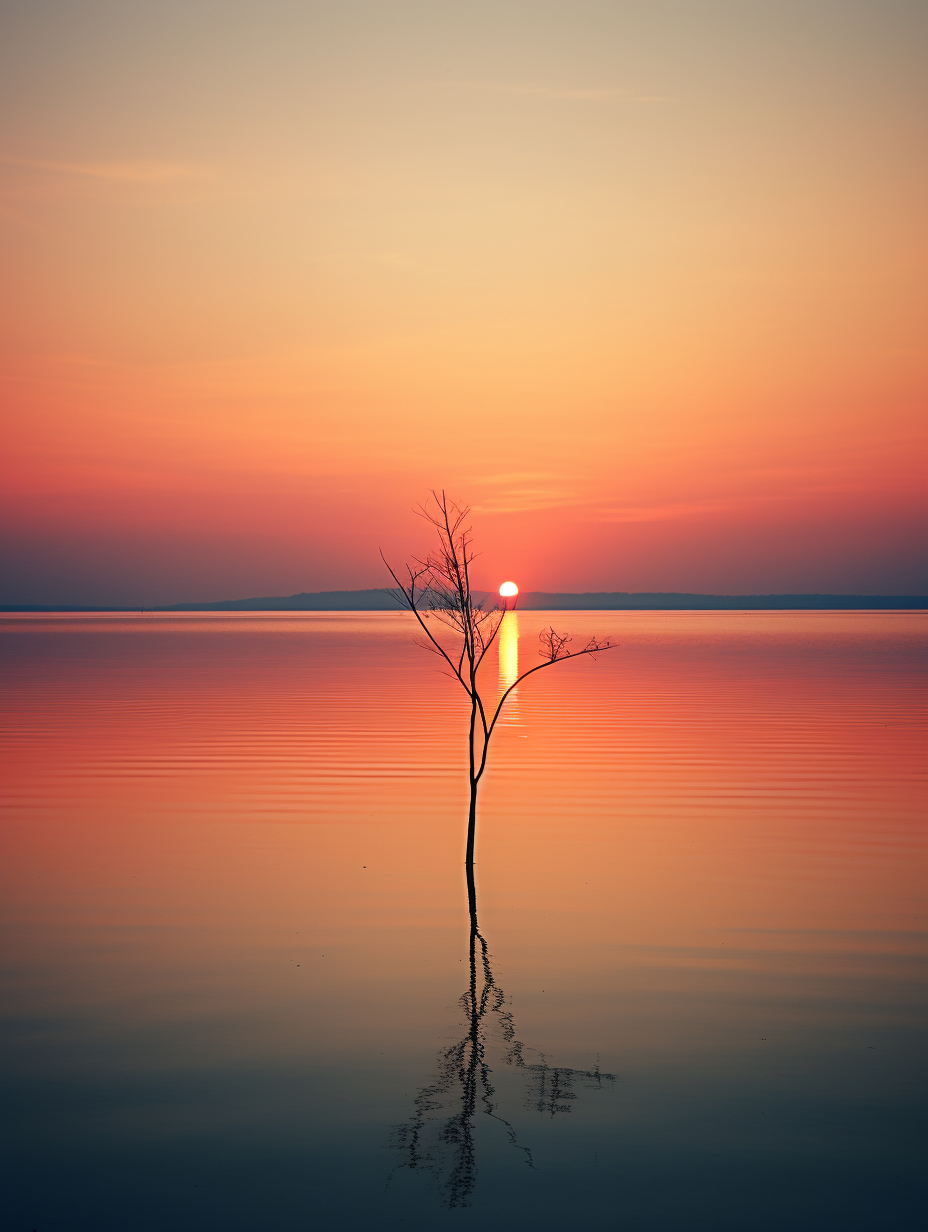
379	600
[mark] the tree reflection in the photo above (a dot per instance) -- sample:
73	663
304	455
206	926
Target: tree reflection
438	1138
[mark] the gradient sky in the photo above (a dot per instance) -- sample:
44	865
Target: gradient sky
644	283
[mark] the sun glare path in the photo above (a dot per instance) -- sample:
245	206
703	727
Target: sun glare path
508	651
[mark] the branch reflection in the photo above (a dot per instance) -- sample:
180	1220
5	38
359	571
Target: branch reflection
438	1139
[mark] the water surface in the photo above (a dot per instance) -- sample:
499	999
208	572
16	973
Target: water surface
238	978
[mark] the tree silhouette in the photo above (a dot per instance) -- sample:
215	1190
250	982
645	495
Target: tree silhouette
439	587
438	1138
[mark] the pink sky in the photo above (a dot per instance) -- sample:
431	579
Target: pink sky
646	289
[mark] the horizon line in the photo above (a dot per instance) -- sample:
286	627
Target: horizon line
379	599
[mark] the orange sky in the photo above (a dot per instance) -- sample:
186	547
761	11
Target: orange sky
643	283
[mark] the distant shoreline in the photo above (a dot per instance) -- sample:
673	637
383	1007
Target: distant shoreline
379	600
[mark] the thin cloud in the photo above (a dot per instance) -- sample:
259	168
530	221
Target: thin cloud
684	509
660	513
521	495
510	477
525	500
135	171
605	94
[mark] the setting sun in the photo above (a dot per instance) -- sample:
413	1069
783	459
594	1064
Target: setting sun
508	590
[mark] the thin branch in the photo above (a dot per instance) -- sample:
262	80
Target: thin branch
411	604
576	654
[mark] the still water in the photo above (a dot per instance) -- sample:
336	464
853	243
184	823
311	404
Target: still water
242	989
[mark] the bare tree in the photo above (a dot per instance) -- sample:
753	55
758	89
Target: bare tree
439	586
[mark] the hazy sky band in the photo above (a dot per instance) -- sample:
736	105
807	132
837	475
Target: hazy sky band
643	282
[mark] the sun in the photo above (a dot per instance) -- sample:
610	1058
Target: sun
508	590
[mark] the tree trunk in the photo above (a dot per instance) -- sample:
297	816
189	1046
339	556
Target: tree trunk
471	899
471	826
472	814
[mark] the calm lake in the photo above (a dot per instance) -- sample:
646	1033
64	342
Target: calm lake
238	986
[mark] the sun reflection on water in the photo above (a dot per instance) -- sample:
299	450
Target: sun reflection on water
508	649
